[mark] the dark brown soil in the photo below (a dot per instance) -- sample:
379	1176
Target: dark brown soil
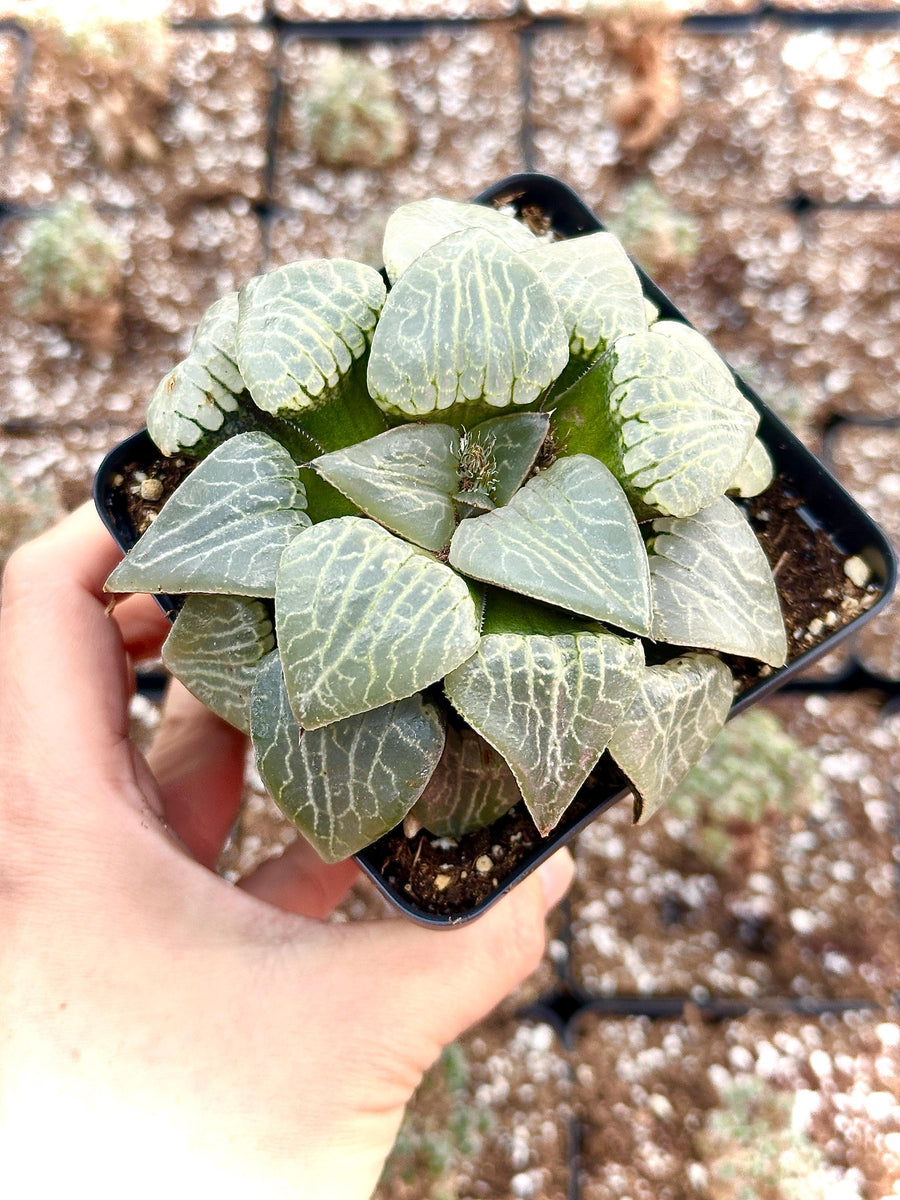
142	502
809	571
411	865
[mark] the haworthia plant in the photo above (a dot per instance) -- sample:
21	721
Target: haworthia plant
516	479
416	227
712	587
364	618
300	328
567	537
678	709
597	289
472	786
549	705
341	784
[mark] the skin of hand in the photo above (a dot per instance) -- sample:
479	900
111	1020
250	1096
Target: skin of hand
161	1031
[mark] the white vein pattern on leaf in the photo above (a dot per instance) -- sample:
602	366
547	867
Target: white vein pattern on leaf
350	781
235	624
599	293
394	626
417	227
712	585
235	513
474	308
678	710
195	384
216	647
408	484
544	704
472	785
305	324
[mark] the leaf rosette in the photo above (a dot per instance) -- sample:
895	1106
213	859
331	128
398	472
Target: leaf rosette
438	534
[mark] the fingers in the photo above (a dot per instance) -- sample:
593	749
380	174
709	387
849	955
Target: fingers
198	761
300	882
143	624
64	676
424	987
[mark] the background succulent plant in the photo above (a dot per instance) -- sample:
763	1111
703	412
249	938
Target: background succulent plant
352	113
754	773
71	272
653	231
754	1146
115	57
412	548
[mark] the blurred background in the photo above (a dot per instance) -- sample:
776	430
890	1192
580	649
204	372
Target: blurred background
716	1013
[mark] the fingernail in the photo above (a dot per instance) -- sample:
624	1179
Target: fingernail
556	877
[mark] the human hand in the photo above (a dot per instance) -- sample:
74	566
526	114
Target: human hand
162	1032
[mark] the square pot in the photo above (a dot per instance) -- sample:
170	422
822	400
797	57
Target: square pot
808	507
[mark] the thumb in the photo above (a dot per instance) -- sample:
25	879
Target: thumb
424	987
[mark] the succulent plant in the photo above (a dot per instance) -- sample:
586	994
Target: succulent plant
754	772
352	113
753	1150
112	59
433	529
71	272
652	229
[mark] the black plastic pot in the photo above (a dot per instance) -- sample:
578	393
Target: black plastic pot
825	506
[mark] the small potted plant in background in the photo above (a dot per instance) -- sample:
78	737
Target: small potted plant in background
446	543
352	113
71	271
115	59
754	777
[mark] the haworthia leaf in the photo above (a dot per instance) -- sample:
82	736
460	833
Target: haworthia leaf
216	647
404	478
712	586
194	399
596	287
549	705
224	528
345	785
755	473
469	327
300	328
679	709
416	227
567	537
694	341
664	418
471	787
363	618
514	441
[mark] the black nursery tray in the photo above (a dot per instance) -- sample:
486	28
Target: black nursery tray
811	498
